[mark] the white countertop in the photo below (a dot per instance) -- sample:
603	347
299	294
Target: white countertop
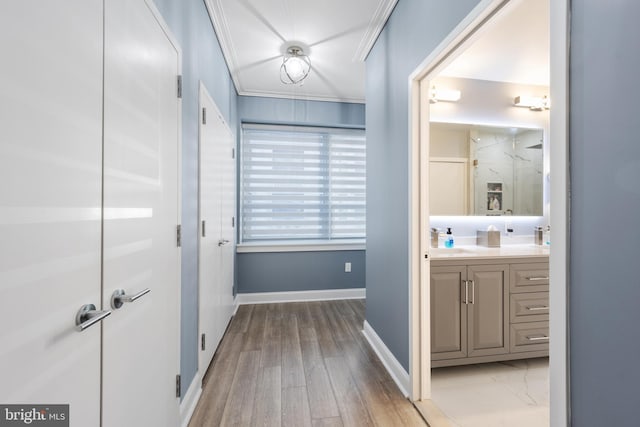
462	252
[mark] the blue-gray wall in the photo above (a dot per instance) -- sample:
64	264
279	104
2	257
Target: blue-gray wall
605	201
202	60
414	29
299	271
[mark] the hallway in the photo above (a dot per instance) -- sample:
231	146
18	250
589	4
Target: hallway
300	364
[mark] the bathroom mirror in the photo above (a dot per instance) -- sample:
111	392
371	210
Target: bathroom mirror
485	170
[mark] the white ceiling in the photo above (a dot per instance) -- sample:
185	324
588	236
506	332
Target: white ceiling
336	34
513	48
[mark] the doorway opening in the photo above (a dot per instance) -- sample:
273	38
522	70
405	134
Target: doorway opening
553	212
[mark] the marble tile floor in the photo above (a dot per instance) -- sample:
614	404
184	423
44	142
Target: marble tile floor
503	394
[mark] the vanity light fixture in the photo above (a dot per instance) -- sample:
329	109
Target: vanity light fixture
295	66
534	103
448	95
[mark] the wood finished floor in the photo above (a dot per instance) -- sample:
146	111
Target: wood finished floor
300	364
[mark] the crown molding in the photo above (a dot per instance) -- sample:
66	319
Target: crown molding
221	28
378	20
303	97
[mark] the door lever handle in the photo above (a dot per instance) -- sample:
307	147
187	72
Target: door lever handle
119	297
223	242
89	316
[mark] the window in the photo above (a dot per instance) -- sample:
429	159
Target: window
301	183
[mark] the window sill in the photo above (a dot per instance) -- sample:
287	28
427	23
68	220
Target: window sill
301	246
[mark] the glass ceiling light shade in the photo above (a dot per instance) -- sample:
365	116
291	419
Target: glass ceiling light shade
295	66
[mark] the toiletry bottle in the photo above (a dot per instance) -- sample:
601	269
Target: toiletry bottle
448	240
547	235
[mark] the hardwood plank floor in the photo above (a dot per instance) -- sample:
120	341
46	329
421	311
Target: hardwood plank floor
300	364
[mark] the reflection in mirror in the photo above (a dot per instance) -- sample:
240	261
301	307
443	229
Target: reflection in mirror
485	170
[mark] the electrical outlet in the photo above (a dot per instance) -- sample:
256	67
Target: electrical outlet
347	267
508	227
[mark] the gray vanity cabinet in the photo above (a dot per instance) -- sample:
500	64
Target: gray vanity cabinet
469	310
448	312
487	310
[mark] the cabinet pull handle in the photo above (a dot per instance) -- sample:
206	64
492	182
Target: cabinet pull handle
538	338
536	279
538	308
466	291
473	292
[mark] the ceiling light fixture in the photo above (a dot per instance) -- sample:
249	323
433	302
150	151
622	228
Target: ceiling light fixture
448	95
295	66
534	103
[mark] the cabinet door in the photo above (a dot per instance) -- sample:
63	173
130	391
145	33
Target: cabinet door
141	203
217	193
488	309
50	203
448	313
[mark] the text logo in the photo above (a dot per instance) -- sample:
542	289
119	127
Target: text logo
34	415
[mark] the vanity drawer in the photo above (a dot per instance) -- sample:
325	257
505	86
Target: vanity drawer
533	336
533	277
529	307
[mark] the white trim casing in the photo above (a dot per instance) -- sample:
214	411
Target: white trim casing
191	398
374	29
300	246
395	369
300	296
559	261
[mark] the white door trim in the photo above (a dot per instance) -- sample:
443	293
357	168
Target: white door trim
419	287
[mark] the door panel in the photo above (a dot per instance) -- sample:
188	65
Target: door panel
141	154
448	313
50	200
489	319
209	298
217	243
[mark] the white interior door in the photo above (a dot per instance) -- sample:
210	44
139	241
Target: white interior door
141	177
227	226
450	195
216	196
50	200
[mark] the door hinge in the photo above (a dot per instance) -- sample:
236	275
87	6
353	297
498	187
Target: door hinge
233	221
233	153
204	232
204	116
179	235
179	86
202	342
178	386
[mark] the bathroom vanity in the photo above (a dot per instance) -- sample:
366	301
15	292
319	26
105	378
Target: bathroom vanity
489	304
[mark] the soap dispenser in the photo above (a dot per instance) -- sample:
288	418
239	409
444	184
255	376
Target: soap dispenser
448	240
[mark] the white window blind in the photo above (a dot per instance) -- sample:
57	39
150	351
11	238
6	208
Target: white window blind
302	183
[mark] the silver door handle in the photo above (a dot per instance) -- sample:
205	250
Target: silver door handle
473	292
534	279
223	242
538	308
88	316
119	297
541	338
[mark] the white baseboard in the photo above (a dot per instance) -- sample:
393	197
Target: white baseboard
298	296
395	369
235	305
188	404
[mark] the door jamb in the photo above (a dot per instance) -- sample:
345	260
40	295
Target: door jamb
419	290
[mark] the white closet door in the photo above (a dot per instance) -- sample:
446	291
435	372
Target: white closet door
141	154
212	133
50	200
227	226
